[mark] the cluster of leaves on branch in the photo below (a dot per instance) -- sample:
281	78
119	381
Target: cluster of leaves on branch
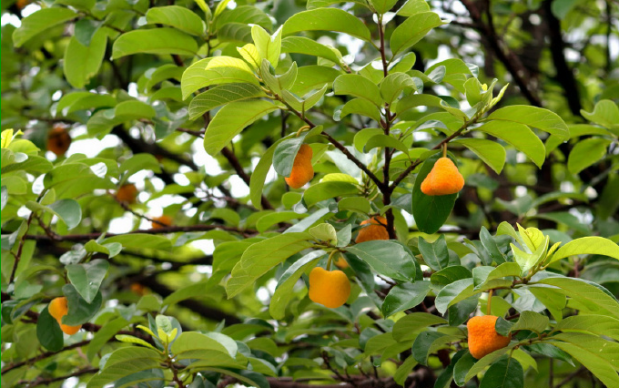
475	231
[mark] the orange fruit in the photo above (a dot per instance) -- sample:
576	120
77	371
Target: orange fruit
482	337
375	230
329	288
58	308
302	171
444	179
58	140
127	193
161	221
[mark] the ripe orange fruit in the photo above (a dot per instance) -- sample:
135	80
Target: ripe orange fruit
482	337
376	230
302	171
127	193
138	289
161	221
444	179
341	262
21	4
58	308
330	288
58	140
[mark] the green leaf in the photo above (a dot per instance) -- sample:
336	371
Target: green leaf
187	292
412	7
124	361
386	258
327	19
592	299
265	222
285	153
154	41
429	342
462	366
313	77
244	14
453	293
382	140
69	211
81	63
358	86
540	118
600	367
532	321
412	30
605	348
484	275
140	241
587	152
133	340
357	204
303	45
327	190
104	120
483	362
105	333
406	327
87	277
404	370
518	135
78	101
383	6
596	324
450	274
404	296
551	351
198	76
222	95
605	113
394	84
505	373
257	179
361	107
492	153
430	212
80	311
435	253
284	291
138	162
48	332
260	257
231	120
268	46
592	245
324	232
527	260
178	17
40	21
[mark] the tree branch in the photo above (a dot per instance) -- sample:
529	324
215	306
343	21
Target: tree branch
564	74
155	231
511	62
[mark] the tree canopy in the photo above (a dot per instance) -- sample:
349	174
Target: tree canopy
320	193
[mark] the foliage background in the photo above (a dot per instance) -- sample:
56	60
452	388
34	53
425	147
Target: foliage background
561	55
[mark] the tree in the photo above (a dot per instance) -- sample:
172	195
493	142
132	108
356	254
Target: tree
462	160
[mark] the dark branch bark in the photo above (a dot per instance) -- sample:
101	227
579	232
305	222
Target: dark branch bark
511	62
564	74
